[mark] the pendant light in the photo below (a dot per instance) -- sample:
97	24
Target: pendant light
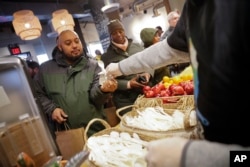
110	6
62	20
26	25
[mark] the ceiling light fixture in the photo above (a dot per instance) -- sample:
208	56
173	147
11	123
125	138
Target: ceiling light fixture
110	6
26	25
62	20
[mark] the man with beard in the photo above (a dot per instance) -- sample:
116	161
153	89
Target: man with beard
68	86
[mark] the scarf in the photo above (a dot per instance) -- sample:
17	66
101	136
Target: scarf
122	46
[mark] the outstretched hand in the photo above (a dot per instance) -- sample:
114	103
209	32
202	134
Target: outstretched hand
165	152
113	70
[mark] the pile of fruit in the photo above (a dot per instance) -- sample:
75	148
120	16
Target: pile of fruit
178	85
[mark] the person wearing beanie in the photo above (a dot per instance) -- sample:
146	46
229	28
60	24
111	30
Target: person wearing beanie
149	36
115	25
120	48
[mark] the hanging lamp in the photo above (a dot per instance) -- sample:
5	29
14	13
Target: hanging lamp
62	20
110	6
26	25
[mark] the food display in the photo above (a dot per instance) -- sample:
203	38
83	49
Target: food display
163	89
112	147
117	149
159	90
158	122
156	119
178	85
165	110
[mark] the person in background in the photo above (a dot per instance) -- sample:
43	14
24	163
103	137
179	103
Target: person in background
159	30
149	36
173	18
33	68
68	86
175	68
98	54
218	48
120	48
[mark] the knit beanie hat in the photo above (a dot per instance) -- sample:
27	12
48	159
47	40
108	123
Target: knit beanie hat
147	36
114	25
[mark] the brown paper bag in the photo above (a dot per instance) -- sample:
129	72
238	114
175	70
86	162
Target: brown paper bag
112	118
110	111
70	142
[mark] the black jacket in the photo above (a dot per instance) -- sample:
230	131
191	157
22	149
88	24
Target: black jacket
222	46
122	96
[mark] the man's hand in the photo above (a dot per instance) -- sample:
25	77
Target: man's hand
147	77
134	84
165	152
113	70
59	115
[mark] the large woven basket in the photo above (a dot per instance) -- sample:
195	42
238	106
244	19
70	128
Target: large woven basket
189	131
106	131
172	102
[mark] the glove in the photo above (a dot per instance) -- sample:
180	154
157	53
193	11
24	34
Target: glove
113	70
165	152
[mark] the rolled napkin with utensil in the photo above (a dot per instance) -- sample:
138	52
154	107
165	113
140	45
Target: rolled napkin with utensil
108	84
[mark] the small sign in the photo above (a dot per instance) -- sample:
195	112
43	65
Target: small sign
239	158
14	49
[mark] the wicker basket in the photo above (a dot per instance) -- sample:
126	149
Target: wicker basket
189	131
106	131
172	102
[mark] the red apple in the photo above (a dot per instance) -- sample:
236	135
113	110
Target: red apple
164	93
161	86
156	90
146	88
149	94
189	88
177	90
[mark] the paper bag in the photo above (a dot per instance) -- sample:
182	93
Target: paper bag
110	111
111	116
70	142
